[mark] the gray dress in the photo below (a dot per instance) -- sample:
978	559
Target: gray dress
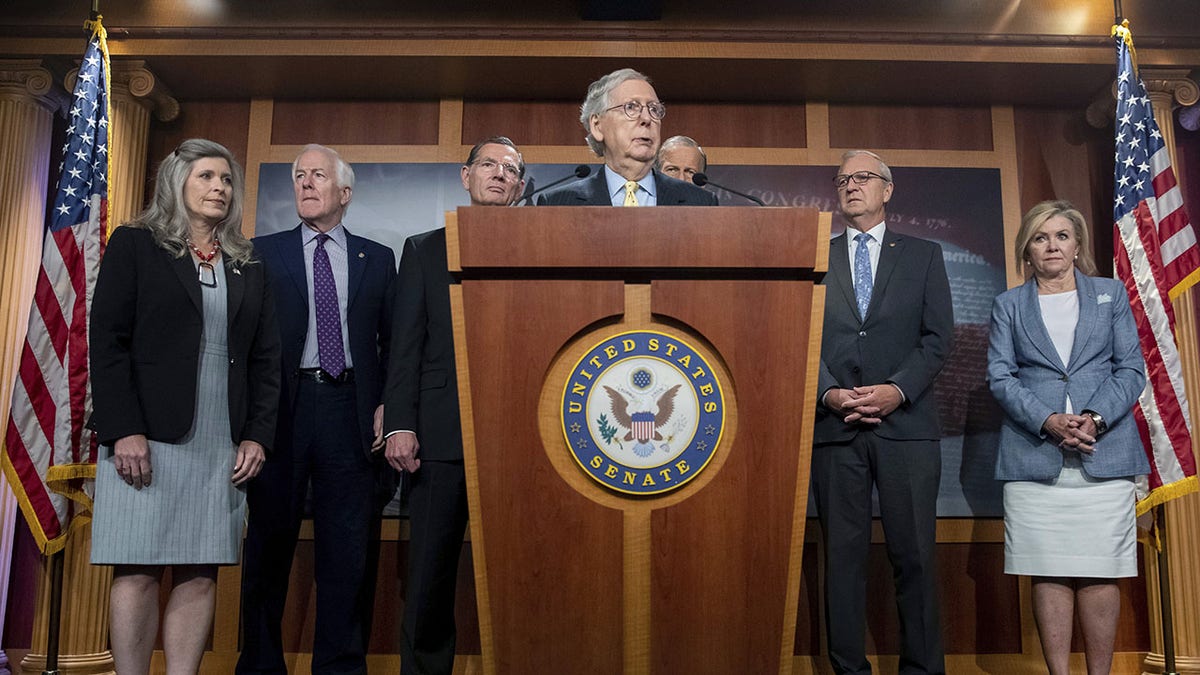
191	513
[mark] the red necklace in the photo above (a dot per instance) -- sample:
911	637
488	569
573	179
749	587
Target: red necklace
208	275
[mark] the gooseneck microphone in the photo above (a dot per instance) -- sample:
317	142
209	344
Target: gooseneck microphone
701	180
581	171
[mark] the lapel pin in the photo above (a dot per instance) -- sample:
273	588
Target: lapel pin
237	271
892	245
362	255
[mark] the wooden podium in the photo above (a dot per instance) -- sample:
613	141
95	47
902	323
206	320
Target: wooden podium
574	576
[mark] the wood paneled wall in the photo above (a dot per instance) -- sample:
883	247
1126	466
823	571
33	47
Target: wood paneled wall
1041	153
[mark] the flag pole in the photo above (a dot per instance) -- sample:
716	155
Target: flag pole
56	559
55	618
1164	591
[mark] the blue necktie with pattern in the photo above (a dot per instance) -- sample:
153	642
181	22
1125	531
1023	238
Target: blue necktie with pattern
329	317
862	274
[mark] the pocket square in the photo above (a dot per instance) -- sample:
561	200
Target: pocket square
1103	298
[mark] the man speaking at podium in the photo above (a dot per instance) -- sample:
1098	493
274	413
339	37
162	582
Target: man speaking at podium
424	434
622	118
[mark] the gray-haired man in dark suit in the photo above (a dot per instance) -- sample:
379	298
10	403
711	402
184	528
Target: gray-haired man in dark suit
889	326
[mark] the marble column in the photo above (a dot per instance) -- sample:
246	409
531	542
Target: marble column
1167	89
84	626
27	102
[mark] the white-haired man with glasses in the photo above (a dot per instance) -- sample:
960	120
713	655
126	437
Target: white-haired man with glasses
622	120
888	327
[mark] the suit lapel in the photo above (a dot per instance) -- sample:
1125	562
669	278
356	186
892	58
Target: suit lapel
890	251
292	256
356	264
185	269
839	269
597	191
667	195
1035	327
235	288
1088	313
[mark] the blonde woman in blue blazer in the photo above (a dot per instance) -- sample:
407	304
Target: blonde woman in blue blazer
1065	365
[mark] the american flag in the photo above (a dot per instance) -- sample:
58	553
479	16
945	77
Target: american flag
1156	256
48	452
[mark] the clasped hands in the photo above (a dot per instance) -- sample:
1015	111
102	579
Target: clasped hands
865	405
1073	432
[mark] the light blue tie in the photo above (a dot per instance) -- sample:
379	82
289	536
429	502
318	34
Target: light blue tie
862	274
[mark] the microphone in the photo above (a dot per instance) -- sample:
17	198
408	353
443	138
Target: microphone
581	171
701	180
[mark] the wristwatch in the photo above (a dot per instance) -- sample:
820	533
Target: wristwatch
1101	425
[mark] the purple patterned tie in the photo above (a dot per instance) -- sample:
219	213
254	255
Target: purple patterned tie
329	318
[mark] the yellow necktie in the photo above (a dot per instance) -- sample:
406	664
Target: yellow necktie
630	193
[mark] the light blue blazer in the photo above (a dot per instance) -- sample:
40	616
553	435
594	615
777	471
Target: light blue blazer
1105	374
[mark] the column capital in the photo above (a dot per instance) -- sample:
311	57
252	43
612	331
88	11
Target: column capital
26	78
1165	87
132	79
1170	86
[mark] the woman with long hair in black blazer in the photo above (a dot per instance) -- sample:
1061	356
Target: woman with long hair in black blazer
185	381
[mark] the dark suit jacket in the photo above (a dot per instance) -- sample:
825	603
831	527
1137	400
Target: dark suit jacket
906	337
371	269
145	333
593	191
422	388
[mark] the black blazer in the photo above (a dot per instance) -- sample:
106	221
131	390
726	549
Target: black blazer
593	191
145	344
422	386
371	267
906	337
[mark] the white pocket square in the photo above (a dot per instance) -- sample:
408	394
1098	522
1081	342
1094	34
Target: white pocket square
1103	298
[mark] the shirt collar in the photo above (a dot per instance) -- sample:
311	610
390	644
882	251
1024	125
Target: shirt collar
876	233
616	182
337	235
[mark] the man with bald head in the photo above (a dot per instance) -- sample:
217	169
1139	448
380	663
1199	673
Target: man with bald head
622	120
333	304
681	157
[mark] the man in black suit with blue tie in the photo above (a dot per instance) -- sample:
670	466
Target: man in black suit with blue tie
424	431
622	119
332	292
888	328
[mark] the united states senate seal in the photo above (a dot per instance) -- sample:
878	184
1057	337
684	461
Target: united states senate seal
642	412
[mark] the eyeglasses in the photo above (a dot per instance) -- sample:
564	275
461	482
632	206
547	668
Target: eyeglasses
633	109
859	177
509	171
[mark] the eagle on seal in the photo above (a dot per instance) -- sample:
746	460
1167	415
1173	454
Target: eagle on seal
643	425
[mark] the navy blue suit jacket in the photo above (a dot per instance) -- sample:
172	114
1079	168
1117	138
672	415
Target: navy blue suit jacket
593	191
906	336
1105	374
371	269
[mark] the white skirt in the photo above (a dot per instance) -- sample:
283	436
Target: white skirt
1071	526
